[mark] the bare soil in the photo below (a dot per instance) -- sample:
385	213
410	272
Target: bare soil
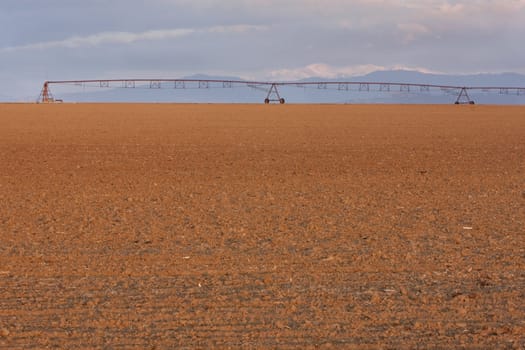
228	226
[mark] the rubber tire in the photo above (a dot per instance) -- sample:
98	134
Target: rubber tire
281	101
266	101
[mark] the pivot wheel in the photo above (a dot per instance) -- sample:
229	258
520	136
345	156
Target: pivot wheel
266	100
281	101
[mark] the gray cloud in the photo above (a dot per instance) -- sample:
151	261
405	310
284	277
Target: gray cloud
127	37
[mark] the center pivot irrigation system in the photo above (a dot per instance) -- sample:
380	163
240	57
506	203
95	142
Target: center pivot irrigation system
272	88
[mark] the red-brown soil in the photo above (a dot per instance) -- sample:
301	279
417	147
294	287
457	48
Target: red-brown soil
228	226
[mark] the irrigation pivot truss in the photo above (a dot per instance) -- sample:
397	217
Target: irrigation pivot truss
272	88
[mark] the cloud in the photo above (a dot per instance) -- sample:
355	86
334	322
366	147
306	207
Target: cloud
449	9
474	8
322	70
103	38
412	31
238	28
128	37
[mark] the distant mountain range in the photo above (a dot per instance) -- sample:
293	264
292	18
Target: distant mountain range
312	94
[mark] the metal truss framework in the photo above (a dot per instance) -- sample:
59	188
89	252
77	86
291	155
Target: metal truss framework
272	88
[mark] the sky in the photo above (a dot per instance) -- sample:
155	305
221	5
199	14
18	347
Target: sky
252	39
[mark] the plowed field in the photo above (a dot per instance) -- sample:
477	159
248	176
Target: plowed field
228	226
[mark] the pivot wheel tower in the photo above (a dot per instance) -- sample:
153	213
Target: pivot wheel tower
464	98
273	95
